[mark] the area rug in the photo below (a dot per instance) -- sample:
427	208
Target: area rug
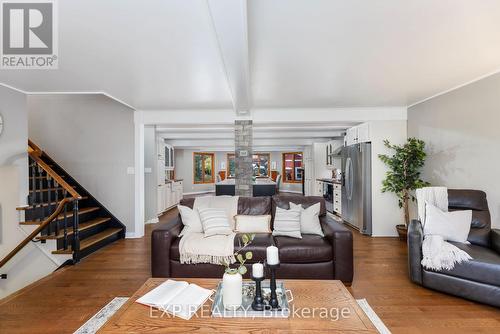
100	318
370	313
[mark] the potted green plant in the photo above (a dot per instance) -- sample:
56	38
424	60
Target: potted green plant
232	281
403	176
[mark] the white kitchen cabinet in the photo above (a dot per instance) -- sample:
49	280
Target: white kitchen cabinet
363	133
319	188
179	190
169	157
169	200
358	134
337	198
172	194
329	150
161	199
160	148
351	136
332	146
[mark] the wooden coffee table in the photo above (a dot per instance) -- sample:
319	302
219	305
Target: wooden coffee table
309	296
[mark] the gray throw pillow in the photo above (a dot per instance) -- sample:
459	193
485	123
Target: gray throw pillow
287	223
309	219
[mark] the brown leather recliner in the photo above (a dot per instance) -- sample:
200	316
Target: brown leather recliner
312	257
477	279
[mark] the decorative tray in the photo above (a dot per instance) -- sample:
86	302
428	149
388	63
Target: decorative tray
245	310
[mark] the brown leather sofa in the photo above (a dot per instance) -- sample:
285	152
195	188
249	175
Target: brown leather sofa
477	279
312	257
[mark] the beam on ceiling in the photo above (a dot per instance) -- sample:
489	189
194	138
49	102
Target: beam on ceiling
230	26
189	128
257	142
257	149
257	135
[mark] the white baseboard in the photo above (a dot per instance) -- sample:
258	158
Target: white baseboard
132	235
152	221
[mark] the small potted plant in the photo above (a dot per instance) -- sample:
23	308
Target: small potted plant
403	176
232	281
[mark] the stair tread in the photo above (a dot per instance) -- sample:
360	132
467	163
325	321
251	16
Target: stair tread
42	204
85	243
61	216
83	226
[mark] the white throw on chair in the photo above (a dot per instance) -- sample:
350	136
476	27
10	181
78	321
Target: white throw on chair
278	183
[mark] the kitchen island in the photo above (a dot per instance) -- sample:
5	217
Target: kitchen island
261	187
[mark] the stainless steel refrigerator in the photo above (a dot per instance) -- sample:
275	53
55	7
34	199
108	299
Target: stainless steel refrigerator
357	186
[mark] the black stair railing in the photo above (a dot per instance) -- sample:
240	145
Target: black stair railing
48	209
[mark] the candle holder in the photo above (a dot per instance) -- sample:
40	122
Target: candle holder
273	302
258	301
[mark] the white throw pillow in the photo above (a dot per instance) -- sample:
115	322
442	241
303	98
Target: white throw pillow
287	223
190	219
452	226
214	221
309	219
253	224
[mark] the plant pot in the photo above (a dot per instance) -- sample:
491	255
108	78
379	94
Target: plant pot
232	290
402	231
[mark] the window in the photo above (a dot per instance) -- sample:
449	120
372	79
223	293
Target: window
231	165
292	167
203	167
260	164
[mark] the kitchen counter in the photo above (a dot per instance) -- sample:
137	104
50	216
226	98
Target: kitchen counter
330	180
261	187
260	181
172	181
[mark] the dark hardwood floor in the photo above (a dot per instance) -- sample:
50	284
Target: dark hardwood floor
63	301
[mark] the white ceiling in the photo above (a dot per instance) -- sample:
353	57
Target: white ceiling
237	54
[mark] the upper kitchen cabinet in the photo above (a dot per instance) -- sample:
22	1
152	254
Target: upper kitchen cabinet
332	151
160	148
364	133
357	134
169	157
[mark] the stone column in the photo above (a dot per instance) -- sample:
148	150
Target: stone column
243	140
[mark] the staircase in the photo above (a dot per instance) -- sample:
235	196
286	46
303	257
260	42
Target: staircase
60	209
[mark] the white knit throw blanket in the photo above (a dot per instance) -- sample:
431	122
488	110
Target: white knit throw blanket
438	254
217	249
441	255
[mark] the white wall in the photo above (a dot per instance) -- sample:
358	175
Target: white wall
385	210
14	138
31	263
92	138
461	130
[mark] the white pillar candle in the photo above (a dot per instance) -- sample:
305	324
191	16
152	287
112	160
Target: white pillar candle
272	255
257	270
